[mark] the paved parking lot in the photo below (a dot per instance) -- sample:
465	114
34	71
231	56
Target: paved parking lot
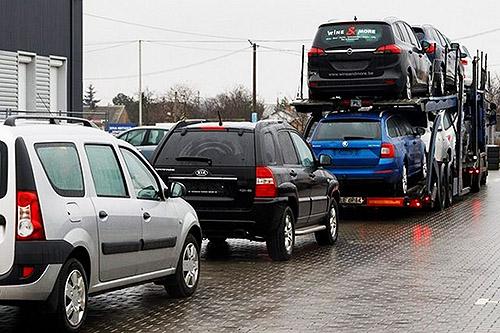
390	271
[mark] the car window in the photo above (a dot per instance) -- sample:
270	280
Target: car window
404	33
413	39
155	136
106	172
348	129
442	40
447	120
286	146
62	167
204	147
268	149
397	31
305	154
3	169
355	35
405	127
144	182
419	32
136	137
393	128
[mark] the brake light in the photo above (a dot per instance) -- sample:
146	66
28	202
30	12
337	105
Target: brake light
29	217
431	49
265	184
212	128
315	51
388	49
464	62
387	150
385	202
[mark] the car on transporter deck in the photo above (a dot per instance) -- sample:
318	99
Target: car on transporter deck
252	181
373	153
84	213
367	59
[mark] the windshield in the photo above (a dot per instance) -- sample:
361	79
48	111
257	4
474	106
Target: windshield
348	130
209	148
355	35
3	169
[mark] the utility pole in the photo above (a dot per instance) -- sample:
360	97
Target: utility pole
140	82
302	73
254	90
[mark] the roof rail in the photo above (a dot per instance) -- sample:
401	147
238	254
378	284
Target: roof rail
54	120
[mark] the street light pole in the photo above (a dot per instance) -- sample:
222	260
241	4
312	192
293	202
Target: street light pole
140	82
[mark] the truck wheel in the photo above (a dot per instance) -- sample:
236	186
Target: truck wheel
71	297
438	193
330	234
476	183
187	274
280	242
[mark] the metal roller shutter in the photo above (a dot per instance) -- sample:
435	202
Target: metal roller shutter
42	83
8	81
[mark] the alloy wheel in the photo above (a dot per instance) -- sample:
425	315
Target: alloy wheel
190	265
288	234
404	180
333	221
75	293
408	87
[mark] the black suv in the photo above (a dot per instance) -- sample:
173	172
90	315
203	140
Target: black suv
254	181
367	59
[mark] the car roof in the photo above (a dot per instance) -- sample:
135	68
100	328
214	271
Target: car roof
244	125
38	131
389	20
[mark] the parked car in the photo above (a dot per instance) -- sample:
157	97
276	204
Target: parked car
145	138
367	59
434	44
84	213
466	62
446	135
253	181
373	153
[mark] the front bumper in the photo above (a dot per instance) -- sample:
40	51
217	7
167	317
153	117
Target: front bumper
257	221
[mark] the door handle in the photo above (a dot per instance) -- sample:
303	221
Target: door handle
146	216
103	215
293	173
2	221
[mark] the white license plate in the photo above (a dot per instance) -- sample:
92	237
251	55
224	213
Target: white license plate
352	200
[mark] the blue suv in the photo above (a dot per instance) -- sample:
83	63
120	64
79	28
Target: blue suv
373	153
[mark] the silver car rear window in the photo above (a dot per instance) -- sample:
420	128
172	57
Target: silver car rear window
3	169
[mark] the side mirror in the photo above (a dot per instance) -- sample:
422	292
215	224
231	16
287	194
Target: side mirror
325	160
454	46
463	55
177	190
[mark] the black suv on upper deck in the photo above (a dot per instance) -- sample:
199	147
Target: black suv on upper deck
367	59
256	181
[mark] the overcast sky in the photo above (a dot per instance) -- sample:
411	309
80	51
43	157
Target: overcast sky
110	52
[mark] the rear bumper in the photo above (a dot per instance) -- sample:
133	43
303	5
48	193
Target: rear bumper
46	258
389	84
38	290
257	221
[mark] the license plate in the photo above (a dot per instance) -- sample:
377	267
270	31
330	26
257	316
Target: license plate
347	152
356	103
352	200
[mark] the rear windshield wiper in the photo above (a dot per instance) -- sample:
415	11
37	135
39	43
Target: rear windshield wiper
194	159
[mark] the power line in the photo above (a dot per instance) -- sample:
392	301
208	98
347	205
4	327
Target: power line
189	41
478	34
109	47
169	69
190	47
161	28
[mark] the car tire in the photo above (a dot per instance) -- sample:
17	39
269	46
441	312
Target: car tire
330	234
407	92
423	172
280	241
71	297
448	184
217	241
402	185
430	82
476	183
438	203
184	282
439	89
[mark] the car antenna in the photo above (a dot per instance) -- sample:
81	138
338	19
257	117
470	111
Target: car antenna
355	18
220	118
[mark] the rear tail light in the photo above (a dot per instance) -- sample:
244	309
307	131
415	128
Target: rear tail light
388	49
385	202
387	150
265	184
315	51
464	62
27	272
431	49
29	217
